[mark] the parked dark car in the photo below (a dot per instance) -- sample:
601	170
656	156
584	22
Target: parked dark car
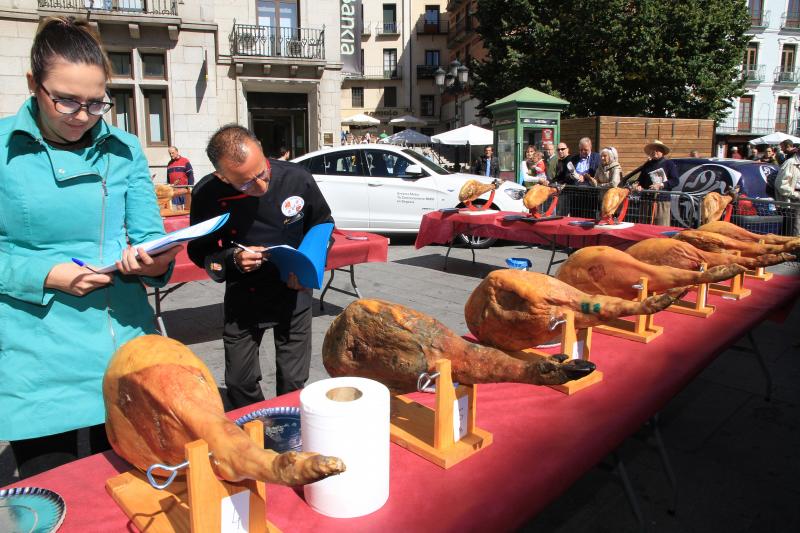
699	176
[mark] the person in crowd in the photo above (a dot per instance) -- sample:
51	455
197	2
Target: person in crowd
550	160
786	150
487	164
787	188
179	173
71	186
284	154
427	153
563	176
755	155
652	178
734	153
270	202
694	153
585	163
769	156
609	173
532	170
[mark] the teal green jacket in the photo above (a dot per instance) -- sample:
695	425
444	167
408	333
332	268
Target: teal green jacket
56	205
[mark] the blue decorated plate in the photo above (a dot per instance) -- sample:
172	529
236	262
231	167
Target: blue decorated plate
281	427
30	510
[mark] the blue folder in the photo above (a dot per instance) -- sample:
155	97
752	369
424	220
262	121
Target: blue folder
308	261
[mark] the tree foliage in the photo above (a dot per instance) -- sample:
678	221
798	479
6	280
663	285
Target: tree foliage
660	58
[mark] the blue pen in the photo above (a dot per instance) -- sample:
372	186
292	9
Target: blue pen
82	264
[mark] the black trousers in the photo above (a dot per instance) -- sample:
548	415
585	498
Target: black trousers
292	357
36	455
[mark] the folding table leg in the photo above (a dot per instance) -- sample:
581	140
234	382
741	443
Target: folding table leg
761	361
628	487
327	286
662	451
447	255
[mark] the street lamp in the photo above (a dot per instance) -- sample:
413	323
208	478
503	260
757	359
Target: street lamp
454	82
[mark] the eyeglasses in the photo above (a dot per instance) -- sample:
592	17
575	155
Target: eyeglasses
263	176
561	149
68	106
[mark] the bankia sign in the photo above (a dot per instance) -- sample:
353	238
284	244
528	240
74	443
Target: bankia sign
350	35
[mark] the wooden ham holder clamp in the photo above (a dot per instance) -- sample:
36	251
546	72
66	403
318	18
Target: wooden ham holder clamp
577	344
641	329
430	433
699	307
196	503
734	291
759	273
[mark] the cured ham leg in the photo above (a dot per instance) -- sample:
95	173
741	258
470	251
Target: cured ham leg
740	234
714	205
159	396
514	309
393	344
612	199
474	189
714	242
606	270
536	196
679	254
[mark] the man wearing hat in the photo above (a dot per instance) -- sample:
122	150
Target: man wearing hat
658	173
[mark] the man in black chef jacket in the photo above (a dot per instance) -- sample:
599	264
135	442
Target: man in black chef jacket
270	202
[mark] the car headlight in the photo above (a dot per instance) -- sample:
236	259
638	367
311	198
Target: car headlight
515	193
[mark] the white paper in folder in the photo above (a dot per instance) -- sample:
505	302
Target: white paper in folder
348	418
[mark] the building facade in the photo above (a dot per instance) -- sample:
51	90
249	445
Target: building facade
182	69
402	45
466	46
772	77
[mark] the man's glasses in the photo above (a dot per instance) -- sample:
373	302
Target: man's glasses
246	186
561	149
68	106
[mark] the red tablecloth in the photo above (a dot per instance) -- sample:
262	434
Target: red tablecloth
345	251
543	440
439	228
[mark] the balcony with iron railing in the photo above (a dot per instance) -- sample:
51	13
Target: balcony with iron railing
427	72
753	73
787	76
733	124
387	28
430	26
278	42
759	19
790	20
377	73
127	7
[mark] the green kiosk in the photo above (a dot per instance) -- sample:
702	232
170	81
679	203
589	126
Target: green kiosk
526	117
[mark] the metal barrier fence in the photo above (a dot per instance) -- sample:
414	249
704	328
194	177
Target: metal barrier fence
681	209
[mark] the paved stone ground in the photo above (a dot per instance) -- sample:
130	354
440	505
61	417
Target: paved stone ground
734	454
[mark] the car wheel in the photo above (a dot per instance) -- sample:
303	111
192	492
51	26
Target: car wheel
473	241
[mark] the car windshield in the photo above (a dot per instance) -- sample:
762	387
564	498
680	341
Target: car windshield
425	162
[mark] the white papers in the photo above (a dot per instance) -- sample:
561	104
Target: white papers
460	412
162	244
478	213
235	513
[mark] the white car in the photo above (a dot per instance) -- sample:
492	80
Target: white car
384	188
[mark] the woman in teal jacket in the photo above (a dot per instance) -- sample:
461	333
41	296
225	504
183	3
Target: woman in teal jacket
71	186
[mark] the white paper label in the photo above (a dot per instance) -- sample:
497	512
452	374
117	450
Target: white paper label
235	513
577	350
460	411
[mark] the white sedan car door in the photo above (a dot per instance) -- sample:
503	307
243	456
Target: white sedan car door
397	200
341	177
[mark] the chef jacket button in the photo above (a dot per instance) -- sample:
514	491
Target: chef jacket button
224	204
233	232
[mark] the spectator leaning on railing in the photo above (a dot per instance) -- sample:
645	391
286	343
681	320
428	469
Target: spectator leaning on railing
649	179
787	187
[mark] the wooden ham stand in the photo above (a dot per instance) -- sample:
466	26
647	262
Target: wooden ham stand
576	344
641	329
760	272
734	291
699	307
194	504
430	433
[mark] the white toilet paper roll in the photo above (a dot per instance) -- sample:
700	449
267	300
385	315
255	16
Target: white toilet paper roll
348	418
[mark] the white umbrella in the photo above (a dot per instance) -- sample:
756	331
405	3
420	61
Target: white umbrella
471	135
776	138
407	137
361	120
408	120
